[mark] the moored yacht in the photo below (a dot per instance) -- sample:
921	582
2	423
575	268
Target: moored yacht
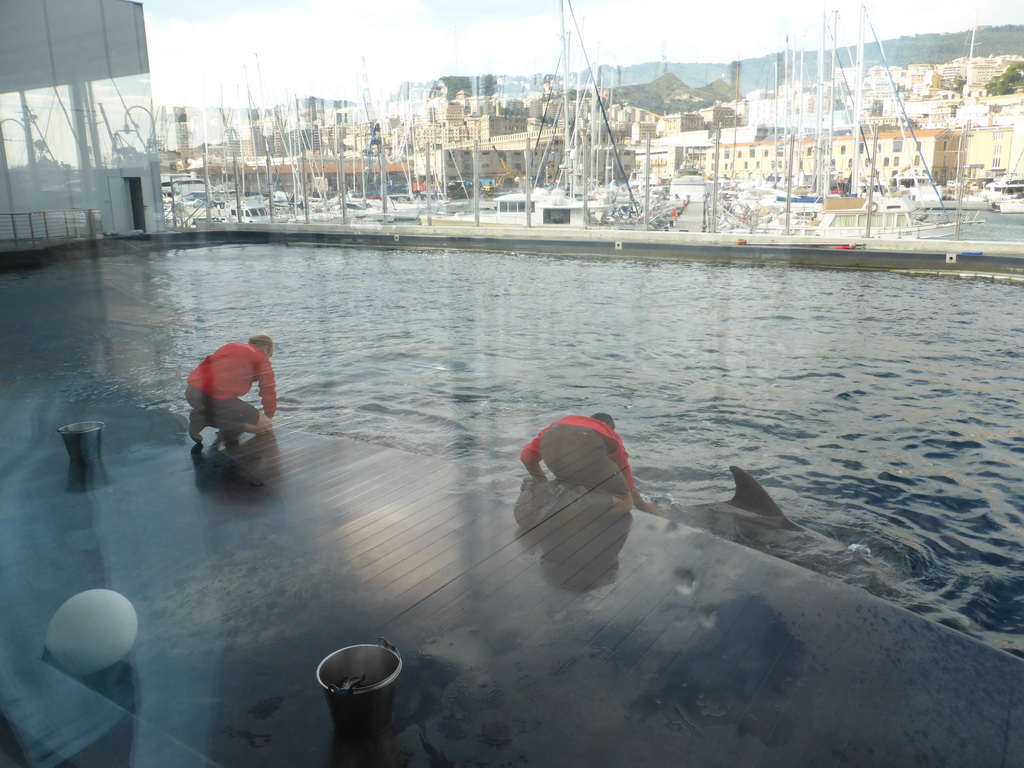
1005	188
890	218
545	209
1010	205
692	188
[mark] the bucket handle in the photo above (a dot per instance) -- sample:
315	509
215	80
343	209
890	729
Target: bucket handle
347	684
383	643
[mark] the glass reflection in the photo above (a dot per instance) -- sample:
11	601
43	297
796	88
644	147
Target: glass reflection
77	131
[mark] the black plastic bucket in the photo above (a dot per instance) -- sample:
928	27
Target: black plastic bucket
359	685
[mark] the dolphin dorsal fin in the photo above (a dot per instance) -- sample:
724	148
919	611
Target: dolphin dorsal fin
751	497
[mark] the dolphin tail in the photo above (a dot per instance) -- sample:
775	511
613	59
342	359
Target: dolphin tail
751	497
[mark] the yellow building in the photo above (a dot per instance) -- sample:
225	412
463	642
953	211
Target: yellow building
935	150
993	151
897	154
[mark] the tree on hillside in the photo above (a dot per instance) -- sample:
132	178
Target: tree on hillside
456	83
485	85
1011	81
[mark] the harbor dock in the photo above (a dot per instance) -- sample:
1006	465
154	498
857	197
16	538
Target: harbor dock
996	260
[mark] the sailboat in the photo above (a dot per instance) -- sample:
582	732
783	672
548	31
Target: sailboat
1006	194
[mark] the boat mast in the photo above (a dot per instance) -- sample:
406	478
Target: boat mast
595	126
970	62
965	138
961	159
819	175
565	94
831	105
790	139
858	103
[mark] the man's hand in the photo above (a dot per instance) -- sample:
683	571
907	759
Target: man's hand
536	471
646	506
650	506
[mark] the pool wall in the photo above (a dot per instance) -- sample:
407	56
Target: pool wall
955	258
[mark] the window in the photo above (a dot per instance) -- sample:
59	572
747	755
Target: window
897	145
556	216
997	149
997	136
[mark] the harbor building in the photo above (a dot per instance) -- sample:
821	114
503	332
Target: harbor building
77	128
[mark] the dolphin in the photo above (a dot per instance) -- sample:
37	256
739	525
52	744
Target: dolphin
750	518
753	518
751	514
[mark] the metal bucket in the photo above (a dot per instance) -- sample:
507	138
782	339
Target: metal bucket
359	685
83	440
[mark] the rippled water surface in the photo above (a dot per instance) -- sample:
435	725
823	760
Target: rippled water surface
883	411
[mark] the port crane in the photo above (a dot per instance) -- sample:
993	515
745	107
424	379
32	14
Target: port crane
508	178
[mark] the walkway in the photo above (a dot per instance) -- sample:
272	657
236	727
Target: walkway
575	643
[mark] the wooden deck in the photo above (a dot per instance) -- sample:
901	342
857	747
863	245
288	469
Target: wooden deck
606	642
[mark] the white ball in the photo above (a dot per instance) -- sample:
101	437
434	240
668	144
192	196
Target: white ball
92	630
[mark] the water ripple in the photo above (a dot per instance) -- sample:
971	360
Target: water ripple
879	409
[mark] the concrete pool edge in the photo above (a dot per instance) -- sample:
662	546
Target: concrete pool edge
956	258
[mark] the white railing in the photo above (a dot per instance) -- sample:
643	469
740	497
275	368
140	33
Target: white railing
37	227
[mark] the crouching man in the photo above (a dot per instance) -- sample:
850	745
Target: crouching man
216	385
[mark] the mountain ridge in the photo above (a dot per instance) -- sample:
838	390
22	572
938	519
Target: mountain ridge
932	48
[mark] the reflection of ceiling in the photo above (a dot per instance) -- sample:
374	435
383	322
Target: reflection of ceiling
55	42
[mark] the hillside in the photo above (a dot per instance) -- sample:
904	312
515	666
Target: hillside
760	72
668	94
667	87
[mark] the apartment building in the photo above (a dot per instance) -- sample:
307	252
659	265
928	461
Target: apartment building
994	151
896	153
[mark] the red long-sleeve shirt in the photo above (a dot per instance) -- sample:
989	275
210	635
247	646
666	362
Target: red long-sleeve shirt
232	370
531	452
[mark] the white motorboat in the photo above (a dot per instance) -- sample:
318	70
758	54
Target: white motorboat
1011	205
920	188
547	209
692	188
253	211
1004	189
891	218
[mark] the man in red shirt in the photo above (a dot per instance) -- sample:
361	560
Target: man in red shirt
217	383
586	450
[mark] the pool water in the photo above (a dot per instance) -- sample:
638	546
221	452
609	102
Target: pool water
883	411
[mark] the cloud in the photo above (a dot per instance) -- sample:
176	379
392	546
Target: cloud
325	48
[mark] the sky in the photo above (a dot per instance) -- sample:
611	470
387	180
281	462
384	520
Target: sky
231	53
